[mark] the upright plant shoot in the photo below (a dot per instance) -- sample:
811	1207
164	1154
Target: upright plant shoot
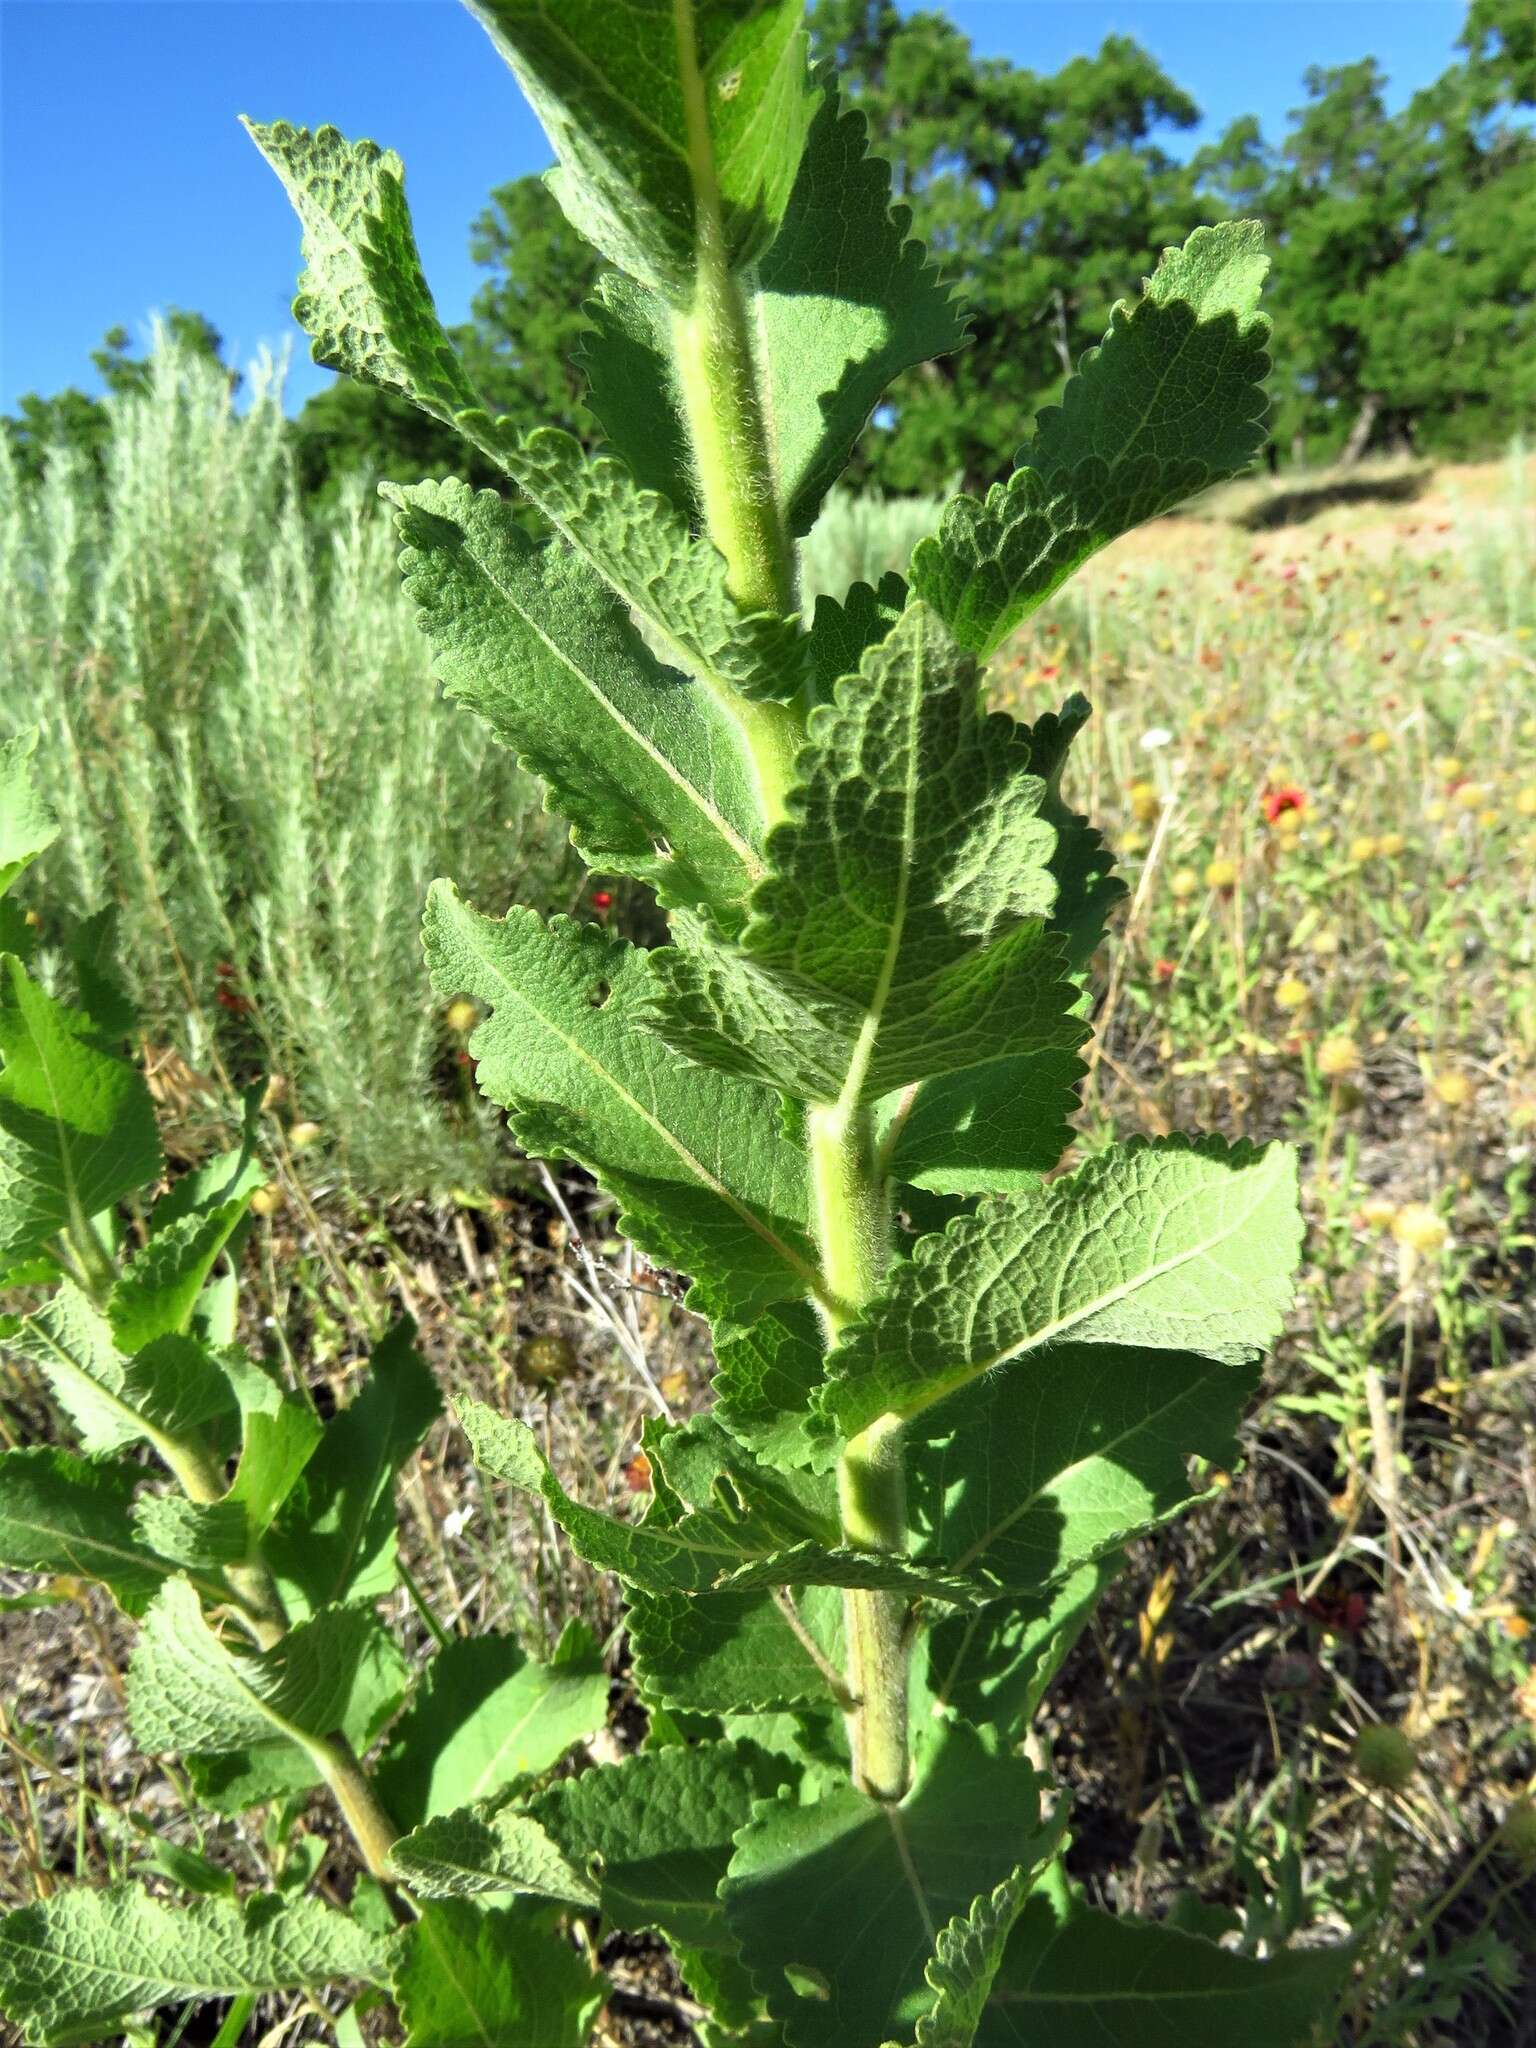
952	1381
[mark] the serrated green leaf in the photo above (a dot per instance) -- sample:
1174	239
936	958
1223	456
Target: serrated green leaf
226	1177
987	1129
362	298
367	309
467	1854
72	1515
765	1374
843	631
77	1125
708	1181
231	1780
181	1383
335	1534
200	1536
1175	1245
188	1691
992	1667
279	1442
1080	863
467	1977
1028	1475
655	1831
965	1962
842	303
1170	402
27	824
751	1538
1070	1973
808	1884
71	1345
688	132
91	948
74	1966
484	1715
900	930
716	1653
158	1289
651	769
635	540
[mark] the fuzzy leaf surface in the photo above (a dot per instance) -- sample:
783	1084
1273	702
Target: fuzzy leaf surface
1028	1475
467	1854
808	1884
992	1667
707	1180
188	1692
1070	1973
335	1536
765	1374
77	1125
231	1780
70	1343
199	1536
724	1653
486	1714
1171	1245
656	1830
965	1962
368	312
648	766
466	1977
751	1545
1169	403
72	1515
689	97
74	1966
27	824
158	1289
900	931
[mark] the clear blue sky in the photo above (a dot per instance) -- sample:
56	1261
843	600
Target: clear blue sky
126	185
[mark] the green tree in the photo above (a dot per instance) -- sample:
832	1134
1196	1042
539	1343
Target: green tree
1405	257
1040	194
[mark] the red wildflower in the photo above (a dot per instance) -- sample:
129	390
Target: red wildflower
602	899
227	999
1286	798
1163	969
637	1473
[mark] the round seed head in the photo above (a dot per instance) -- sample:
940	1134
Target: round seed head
1384	1756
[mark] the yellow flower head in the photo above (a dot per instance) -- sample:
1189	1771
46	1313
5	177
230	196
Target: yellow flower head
1183	883
1362	849
1338	1056
1221	874
1419	1228
1145	802
1454	1089
1291	993
461	1015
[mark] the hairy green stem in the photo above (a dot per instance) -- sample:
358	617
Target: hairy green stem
853	1226
251	1583
350	1786
720	388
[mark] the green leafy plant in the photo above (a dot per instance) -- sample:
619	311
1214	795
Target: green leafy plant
952	1382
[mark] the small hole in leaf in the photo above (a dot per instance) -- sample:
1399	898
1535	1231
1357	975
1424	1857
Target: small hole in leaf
809	1983
599	993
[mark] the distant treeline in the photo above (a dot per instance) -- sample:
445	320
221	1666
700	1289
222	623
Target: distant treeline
1404	248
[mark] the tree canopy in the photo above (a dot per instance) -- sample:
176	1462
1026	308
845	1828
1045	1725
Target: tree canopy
1404	245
